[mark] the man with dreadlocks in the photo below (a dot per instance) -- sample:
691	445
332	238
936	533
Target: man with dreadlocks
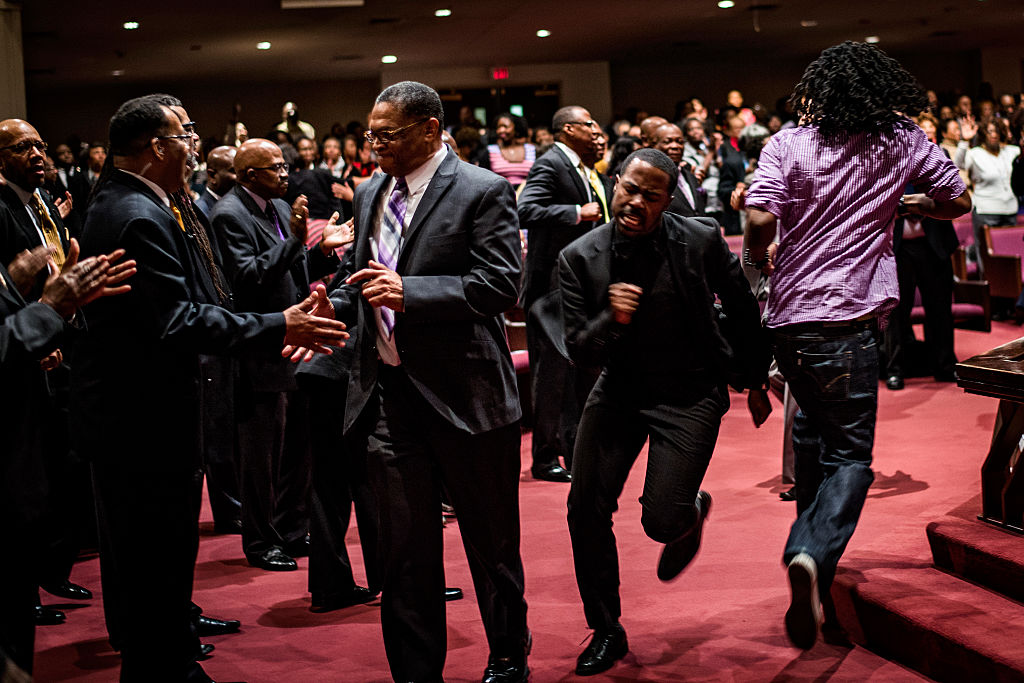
832	188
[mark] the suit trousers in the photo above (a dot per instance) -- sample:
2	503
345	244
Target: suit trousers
919	267
616	422
149	539
220	445
273	443
414	452
340	478
556	408
19	592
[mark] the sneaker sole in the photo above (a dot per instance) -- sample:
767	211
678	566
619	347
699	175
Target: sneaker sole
802	615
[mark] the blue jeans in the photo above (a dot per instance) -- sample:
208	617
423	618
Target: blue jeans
833	374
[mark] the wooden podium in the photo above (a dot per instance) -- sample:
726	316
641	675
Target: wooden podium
999	373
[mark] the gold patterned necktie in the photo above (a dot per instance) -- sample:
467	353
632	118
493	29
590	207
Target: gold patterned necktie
177	216
595	184
49	230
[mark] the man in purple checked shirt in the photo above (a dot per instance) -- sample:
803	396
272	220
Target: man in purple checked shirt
832	187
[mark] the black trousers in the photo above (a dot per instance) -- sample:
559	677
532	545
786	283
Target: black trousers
556	409
273	442
220	447
616	422
149	539
340	478
19	583
413	453
919	267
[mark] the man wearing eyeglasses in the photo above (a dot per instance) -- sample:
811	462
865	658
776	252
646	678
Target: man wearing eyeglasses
432	389
263	249
563	199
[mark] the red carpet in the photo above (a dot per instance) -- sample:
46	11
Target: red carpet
720	621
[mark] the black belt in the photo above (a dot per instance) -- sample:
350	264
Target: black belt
829	327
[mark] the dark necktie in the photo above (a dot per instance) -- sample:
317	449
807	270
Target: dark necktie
274	220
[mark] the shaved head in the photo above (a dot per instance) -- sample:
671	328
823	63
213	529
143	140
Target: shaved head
648	127
220	169
254	164
255	153
23	162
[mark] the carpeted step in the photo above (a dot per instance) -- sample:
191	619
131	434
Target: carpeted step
942	626
980	553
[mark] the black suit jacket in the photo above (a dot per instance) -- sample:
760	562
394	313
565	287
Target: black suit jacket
135	375
460	266
26	236
702	267
547	211
205	203
28	332
679	205
267	275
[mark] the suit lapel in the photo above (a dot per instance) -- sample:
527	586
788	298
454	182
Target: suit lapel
436	189
258	217
574	173
139	186
366	217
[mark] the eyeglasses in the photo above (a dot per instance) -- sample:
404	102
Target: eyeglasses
589	124
26	145
387	136
190	127
183	136
276	168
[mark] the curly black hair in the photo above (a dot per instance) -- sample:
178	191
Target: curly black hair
855	88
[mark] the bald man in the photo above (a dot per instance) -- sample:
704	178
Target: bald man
688	198
220	177
648	127
263	250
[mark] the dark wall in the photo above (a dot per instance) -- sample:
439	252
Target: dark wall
58	112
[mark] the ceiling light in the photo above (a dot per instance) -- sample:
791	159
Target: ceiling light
388	59
265	45
809	23
130	25
442	13
543	33
726	4
117	72
872	39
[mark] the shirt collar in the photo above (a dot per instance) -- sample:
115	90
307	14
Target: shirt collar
418	179
574	158
213	194
260	201
153	186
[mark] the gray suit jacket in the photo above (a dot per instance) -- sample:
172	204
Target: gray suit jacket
460	265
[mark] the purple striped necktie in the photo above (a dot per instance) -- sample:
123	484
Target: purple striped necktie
390	242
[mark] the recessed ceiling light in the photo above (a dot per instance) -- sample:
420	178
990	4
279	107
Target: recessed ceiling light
543	33
388	59
117	72
265	45
872	39
442	13
726	4
809	23
130	25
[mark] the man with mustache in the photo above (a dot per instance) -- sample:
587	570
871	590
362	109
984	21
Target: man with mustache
637	299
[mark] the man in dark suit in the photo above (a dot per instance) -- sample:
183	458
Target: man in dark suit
269	270
29	338
135	393
923	246
37	228
562	199
637	301
220	177
688	198
437	253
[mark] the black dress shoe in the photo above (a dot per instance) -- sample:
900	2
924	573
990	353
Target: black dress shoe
894	382
506	670
328	603
299	548
680	552
606	648
71	591
789	495
553	472
274	560
47	616
205	651
452	594
208	626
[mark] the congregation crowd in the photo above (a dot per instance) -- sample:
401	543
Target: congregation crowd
316	323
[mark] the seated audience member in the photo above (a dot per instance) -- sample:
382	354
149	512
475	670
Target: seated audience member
332	160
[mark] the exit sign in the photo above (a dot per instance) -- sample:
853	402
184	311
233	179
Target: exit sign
499	73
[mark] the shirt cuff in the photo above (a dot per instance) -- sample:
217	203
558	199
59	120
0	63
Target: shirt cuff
579	213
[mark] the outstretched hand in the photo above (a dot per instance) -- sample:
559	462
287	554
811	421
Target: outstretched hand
26	266
79	283
310	327
337	235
